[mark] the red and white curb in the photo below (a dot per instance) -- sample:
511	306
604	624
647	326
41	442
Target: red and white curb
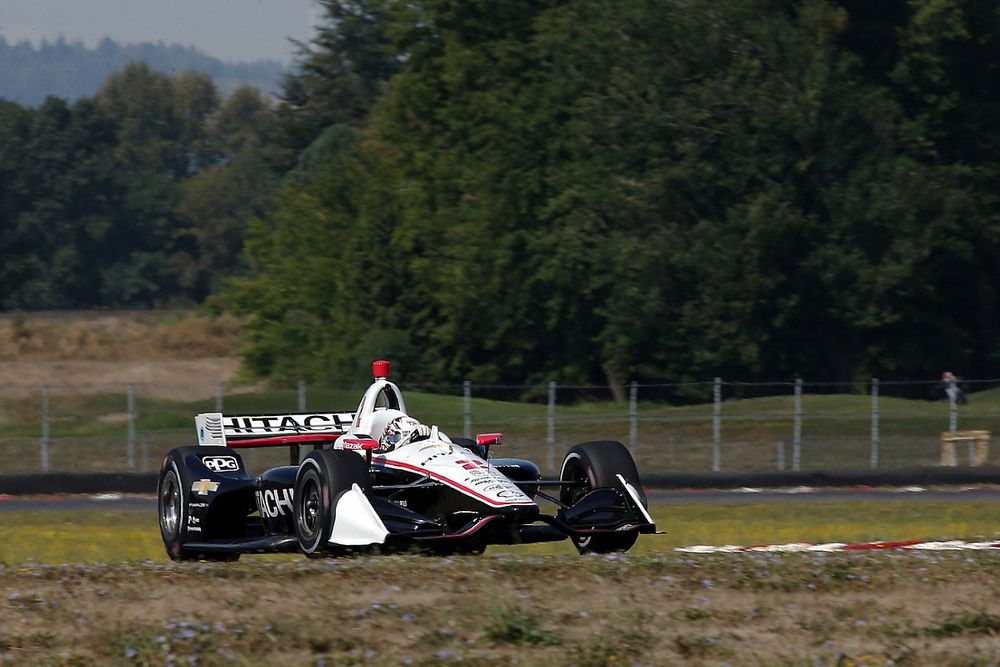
805	547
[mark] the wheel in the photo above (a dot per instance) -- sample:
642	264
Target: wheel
597	464
173	489
323	476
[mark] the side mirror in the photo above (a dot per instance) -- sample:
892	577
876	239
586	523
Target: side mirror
487	439
358	444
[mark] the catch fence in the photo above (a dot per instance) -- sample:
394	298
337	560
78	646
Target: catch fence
714	425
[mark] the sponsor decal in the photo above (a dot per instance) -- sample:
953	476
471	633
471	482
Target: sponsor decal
471	464
401	503
194	529
275	502
193	520
198	505
358	444
203	487
221	463
286	423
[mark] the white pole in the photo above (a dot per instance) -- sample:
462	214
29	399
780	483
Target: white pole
952	411
45	428
717	425
302	395
467	408
874	456
131	428
551	436
797	429
633	416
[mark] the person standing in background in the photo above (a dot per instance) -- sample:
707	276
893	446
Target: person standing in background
951	388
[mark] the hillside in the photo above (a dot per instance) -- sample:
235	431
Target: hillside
71	70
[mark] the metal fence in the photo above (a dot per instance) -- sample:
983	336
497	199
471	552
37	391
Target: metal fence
713	425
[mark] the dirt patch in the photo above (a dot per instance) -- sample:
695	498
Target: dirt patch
190	379
117	336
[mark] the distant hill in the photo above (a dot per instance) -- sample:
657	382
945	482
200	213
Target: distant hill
29	74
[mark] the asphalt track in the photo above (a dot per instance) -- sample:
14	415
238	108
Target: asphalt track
118	501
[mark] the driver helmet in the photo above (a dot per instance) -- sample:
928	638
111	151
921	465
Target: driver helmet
399	431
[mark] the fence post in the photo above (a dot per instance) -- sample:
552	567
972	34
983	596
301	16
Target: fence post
874	456
551	436
952	411
717	425
779	448
302	395
797	429
219	389
45	428
633	416
130	450
467	408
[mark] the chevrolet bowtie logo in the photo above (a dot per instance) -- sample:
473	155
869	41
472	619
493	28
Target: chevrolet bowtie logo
203	487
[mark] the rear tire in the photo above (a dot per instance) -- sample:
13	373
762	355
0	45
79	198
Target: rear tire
597	463
323	476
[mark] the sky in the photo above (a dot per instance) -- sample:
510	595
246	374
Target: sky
232	30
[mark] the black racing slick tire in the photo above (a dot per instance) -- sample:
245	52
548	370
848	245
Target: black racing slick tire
596	464
323	476
173	495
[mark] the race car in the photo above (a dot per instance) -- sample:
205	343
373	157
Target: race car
378	479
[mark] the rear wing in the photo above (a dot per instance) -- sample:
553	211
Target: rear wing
270	430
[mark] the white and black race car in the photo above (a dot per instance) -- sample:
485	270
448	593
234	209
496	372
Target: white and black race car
377	478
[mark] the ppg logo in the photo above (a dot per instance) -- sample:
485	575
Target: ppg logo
221	463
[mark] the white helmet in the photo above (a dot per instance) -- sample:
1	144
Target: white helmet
401	430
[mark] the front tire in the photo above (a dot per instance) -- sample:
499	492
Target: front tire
323	476
595	465
173	491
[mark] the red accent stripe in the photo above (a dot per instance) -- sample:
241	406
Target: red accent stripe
875	546
451	483
465	533
278	440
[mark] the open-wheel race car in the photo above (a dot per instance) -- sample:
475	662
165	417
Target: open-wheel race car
379	479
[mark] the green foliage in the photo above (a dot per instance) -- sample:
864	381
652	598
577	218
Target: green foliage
590	192
965	623
137	197
516	625
587	191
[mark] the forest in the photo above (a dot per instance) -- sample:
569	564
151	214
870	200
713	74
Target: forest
585	191
72	70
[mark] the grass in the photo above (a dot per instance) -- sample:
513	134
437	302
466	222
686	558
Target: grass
121	602
56	536
653	609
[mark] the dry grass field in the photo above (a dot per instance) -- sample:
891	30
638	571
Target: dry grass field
171	354
750	609
94	588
